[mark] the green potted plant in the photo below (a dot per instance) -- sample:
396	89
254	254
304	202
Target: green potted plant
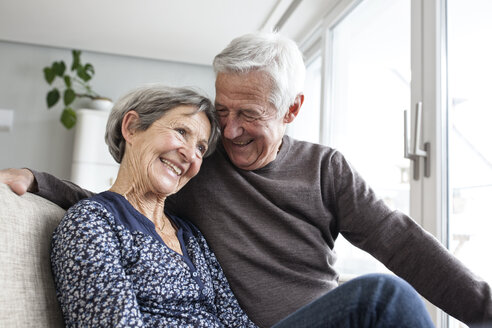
75	85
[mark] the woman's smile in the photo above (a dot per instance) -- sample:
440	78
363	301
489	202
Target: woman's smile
171	166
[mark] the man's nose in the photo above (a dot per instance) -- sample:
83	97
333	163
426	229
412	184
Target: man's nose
232	127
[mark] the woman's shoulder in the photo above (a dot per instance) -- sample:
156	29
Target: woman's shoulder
84	212
86	206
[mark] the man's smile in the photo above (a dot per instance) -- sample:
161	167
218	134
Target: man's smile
241	143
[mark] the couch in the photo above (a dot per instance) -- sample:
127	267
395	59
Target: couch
27	291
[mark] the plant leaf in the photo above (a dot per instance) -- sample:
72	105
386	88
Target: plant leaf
59	68
82	74
68	118
49	75
85	72
89	69
68	96
52	97
68	81
76	59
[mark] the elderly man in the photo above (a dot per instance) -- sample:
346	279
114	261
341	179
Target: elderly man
271	207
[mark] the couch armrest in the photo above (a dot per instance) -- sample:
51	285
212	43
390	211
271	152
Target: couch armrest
27	291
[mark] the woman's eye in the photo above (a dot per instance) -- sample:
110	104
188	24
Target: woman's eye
202	149
181	131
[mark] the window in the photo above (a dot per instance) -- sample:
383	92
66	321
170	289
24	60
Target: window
469	133
370	90
306	126
384	56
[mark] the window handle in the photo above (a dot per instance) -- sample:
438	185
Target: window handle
417	151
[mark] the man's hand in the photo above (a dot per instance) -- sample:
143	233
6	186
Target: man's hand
19	180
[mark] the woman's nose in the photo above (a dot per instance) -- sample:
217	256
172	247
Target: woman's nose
188	152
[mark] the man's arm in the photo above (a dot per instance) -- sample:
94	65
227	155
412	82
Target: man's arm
409	251
63	193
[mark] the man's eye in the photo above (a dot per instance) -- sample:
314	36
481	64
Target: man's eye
222	112
181	131
249	117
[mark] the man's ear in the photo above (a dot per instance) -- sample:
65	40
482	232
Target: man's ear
294	109
128	125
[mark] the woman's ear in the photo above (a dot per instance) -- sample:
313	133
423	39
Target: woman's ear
294	109
128	125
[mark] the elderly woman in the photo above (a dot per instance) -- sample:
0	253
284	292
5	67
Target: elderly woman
118	258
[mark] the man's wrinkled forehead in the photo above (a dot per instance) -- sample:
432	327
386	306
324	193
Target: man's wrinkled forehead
255	84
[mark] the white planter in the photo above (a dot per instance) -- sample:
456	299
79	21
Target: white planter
102	104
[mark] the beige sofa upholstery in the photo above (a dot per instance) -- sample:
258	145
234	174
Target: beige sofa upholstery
27	292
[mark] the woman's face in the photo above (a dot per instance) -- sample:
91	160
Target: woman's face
170	152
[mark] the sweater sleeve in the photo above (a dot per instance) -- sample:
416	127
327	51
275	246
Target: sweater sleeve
91	284
406	249
62	193
229	311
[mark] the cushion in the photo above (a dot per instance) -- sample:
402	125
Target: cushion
27	291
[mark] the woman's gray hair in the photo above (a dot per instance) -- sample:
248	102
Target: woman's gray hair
271	53
151	103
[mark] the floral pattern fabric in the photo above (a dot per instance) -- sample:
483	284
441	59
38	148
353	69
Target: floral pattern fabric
112	269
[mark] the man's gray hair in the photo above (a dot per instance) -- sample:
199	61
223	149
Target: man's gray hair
151	103
271	53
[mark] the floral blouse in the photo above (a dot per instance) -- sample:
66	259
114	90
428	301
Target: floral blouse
112	269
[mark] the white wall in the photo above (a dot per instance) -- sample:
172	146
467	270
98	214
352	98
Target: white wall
38	140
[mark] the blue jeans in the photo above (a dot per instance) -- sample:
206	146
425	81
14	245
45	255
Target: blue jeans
375	300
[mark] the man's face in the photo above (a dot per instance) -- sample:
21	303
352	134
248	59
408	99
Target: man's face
251	131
